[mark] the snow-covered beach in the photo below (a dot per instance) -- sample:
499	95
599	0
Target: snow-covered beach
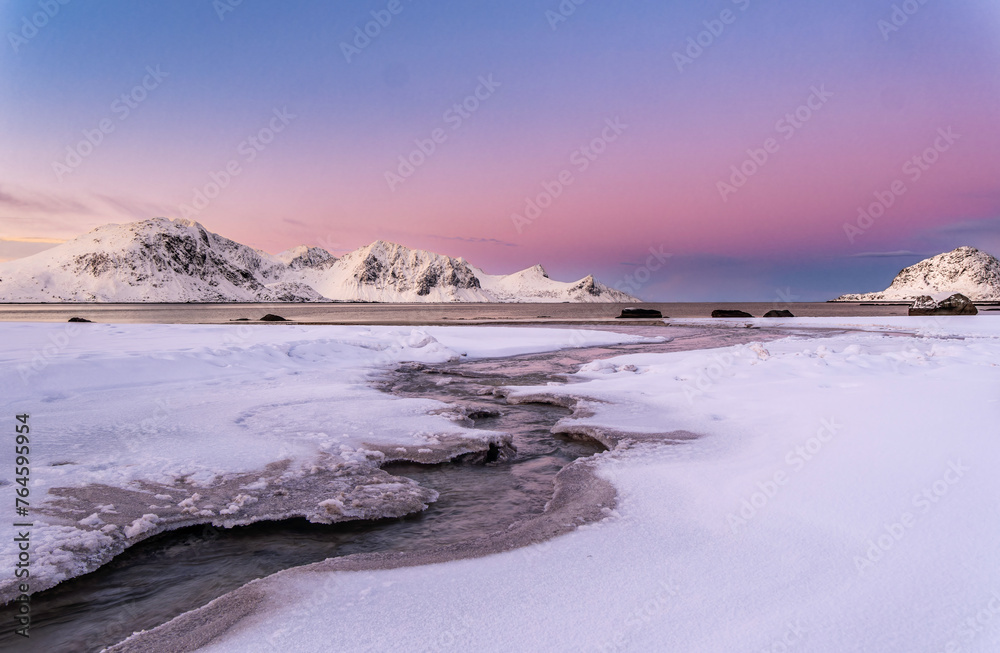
842	498
838	495
142	428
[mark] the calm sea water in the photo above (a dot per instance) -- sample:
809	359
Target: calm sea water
457	313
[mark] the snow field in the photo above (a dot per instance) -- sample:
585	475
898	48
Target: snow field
139	428
842	498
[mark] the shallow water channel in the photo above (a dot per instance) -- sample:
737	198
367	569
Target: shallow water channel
180	570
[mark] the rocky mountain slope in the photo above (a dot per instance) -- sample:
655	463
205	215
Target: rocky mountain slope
156	260
161	260
965	270
387	272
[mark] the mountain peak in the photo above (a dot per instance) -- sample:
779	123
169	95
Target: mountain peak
184	222
304	256
539	270
385	246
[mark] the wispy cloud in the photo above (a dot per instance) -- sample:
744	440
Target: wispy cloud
489	241
39	217
971	228
983	234
137	209
45	227
895	254
47	203
33	240
9	200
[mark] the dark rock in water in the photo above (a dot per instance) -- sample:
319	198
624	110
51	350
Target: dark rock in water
957	304
242	319
497	453
78	319
640	312
271	317
778	313
727	312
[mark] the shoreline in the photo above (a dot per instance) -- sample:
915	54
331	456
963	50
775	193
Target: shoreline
358	482
580	497
429	314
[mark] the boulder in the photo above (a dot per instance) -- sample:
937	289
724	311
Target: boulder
957	304
78	319
271	317
778	312
728	312
632	312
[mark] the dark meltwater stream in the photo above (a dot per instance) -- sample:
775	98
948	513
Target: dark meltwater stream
177	571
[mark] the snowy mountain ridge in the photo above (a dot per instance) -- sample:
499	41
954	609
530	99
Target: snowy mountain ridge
965	270
161	260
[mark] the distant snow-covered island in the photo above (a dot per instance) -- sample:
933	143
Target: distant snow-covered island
964	270
166	261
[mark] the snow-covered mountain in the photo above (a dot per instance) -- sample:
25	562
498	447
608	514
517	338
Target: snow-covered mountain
304	256
387	272
156	260
534	282
965	270
161	260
